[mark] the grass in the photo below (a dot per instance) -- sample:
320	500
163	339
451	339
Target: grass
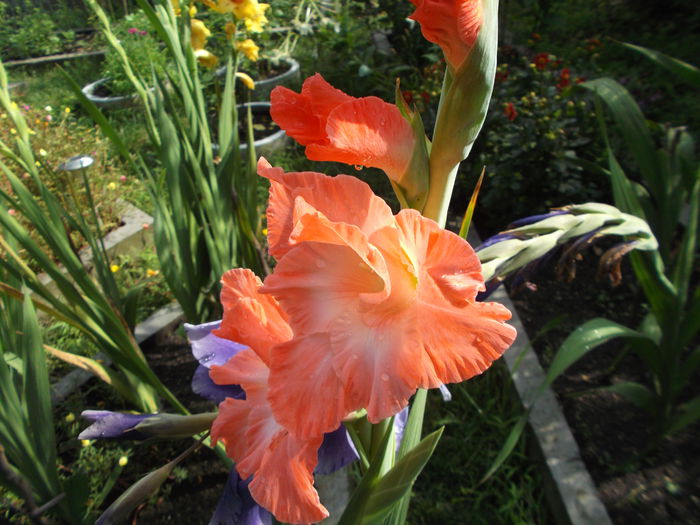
477	421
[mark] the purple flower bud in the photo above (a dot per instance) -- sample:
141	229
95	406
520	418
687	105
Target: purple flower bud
536	218
499	237
132	30
115	425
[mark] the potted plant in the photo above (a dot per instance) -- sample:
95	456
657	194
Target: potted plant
268	136
269	73
114	89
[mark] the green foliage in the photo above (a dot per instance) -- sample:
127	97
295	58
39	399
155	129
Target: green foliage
477	422
93	305
537	132
30	33
353	52
664	191
28	459
142	48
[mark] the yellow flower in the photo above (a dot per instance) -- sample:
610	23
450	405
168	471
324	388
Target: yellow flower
123	461
115	268
206	58
248	48
112	186
152	273
193	11
13	131
199	34
67	110
247	81
255	16
42	152
70	417
85	442
250	11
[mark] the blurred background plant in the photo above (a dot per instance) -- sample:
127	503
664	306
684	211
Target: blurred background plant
29	31
48	127
539	131
660	185
142	48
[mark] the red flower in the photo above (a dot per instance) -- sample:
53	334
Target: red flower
541	61
509	111
564	78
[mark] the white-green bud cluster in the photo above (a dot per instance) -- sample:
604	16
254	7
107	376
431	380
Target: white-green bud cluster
525	244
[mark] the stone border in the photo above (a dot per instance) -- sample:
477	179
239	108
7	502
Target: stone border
570	490
129	237
54	58
134	233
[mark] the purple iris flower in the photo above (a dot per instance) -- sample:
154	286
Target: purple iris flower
336	451
211	350
115	425
237	507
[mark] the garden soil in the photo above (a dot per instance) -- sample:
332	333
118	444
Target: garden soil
638	487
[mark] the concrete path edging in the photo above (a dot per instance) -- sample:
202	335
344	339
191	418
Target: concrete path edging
571	493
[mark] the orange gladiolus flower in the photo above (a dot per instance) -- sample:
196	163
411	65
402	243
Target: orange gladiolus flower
380	305
452	24
281	463
337	127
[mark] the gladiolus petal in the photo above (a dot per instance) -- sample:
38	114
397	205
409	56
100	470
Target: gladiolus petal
337	127
251	319
452	24
337	198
